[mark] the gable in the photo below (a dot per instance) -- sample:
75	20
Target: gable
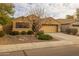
49	20
65	21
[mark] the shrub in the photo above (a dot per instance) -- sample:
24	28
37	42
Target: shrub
40	33
74	31
44	37
14	33
2	33
68	31
30	32
23	32
7	28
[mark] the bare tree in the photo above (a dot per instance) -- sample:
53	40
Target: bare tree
38	11
36	23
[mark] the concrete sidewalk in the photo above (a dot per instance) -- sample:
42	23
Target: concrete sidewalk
16	47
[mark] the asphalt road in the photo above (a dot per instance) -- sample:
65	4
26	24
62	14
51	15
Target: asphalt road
58	51
72	50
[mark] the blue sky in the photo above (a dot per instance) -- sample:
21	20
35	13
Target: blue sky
56	10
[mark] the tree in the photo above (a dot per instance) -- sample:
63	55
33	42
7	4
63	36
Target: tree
6	12
38	11
36	23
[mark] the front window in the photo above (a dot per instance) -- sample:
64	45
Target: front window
22	25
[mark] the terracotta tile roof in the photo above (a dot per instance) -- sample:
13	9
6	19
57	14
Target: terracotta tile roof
64	21
32	17
28	18
49	20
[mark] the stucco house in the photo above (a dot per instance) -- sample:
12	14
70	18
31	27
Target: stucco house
66	23
48	25
76	23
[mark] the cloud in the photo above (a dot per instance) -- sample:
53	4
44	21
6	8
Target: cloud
56	10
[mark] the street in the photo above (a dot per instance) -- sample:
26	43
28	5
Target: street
70	50
58	51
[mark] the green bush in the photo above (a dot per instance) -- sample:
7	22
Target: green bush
40	33
29	32
23	32
14	33
44	37
7	28
2	33
68	31
74	31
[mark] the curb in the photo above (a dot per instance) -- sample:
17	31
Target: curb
24	46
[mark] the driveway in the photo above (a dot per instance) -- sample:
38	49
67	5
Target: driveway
62	36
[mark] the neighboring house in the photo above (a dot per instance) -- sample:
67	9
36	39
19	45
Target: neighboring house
66	23
76	23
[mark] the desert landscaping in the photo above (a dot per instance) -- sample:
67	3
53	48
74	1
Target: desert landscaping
35	33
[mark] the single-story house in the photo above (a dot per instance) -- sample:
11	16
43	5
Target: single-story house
48	25
23	24
66	23
76	25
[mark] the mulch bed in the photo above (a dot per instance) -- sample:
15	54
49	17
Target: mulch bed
8	39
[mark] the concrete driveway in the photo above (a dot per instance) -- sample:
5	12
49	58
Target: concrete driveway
62	36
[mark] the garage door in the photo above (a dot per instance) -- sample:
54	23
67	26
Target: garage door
49	28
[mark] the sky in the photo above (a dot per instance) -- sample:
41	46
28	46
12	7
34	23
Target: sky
55	10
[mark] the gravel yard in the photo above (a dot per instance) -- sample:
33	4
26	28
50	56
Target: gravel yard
7	39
